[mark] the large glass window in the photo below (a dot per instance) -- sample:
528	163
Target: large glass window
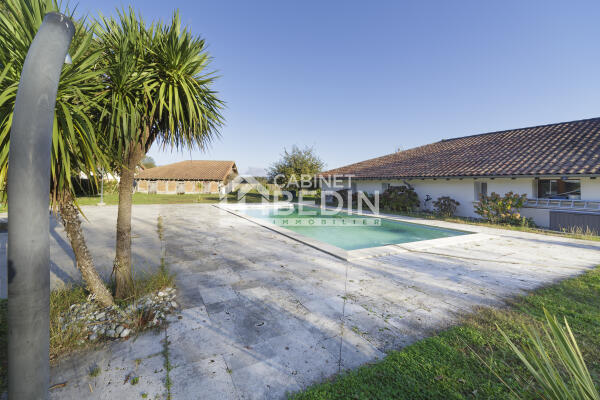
559	189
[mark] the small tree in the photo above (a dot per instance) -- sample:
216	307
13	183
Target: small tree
294	165
148	162
158	90
503	210
445	206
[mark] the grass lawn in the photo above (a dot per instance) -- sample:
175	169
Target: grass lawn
144	198
445	366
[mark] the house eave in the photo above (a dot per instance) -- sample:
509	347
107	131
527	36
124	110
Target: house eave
512	176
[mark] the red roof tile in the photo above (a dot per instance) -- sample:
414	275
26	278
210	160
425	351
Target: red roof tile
200	170
567	148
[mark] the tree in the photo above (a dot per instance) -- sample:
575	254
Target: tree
148	162
294	165
74	144
158	91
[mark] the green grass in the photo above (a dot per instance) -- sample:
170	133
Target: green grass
60	300
144	198
448	365
95	371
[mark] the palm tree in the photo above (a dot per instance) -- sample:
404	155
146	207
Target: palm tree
158	92
74	146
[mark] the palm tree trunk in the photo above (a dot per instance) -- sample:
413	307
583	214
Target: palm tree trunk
69	215
122	264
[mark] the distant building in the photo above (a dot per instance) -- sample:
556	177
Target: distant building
198	176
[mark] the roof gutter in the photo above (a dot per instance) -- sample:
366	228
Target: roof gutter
399	177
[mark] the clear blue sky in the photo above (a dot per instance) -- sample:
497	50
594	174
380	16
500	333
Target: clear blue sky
357	80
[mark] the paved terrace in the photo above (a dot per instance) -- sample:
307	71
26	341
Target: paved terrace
265	315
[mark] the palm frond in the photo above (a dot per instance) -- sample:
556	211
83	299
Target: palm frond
159	88
74	144
560	370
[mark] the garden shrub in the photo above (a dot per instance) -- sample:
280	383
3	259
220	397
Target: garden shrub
445	206
503	209
399	198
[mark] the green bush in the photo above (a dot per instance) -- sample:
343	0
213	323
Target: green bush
399	198
445	206
503	210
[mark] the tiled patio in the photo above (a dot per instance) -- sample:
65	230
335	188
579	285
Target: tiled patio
265	315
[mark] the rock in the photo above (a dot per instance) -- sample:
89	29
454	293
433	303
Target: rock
174	304
101	316
110	333
119	329
93	337
161	294
125	333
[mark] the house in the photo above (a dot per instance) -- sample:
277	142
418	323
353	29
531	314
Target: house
197	176
557	166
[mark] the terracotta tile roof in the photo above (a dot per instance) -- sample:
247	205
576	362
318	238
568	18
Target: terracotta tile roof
567	148
201	170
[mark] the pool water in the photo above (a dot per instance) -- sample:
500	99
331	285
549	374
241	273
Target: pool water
373	232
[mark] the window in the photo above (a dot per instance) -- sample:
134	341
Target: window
559	189
152	185
480	190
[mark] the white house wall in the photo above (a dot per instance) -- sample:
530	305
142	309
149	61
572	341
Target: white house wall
461	190
590	189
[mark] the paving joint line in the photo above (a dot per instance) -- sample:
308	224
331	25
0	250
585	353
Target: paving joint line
343	318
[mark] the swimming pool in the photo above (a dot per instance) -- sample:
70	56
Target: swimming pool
360	232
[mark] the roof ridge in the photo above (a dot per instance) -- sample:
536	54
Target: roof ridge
513	129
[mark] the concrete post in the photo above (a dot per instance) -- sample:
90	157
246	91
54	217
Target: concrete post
28	203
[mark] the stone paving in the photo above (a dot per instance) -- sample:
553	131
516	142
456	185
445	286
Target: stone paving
264	315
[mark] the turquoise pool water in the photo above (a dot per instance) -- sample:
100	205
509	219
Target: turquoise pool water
347	231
